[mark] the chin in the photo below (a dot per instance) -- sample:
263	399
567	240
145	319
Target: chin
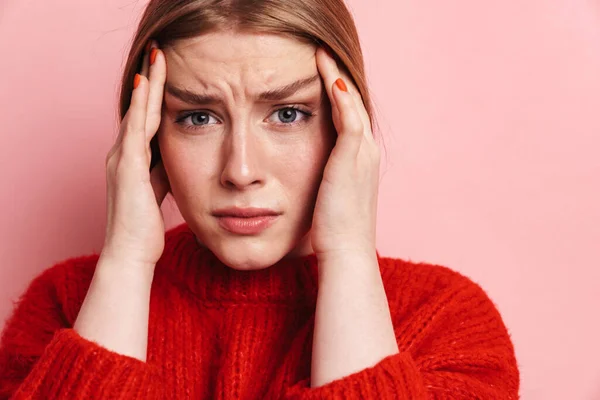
248	253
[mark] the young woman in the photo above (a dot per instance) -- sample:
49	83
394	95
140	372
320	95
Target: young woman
256	117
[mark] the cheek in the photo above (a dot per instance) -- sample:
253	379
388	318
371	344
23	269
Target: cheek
300	165
187	165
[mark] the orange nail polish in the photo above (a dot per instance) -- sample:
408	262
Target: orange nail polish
341	84
136	80
153	55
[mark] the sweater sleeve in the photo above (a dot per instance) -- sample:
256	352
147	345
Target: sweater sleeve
453	345
42	357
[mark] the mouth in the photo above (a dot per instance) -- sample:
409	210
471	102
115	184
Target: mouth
246	221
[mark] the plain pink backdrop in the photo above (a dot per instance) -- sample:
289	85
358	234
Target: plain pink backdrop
491	114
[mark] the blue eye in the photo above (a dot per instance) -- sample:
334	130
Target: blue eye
289	116
197	118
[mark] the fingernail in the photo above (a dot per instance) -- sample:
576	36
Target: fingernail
147	48
153	55
136	80
341	84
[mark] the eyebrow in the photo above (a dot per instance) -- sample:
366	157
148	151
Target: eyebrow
280	93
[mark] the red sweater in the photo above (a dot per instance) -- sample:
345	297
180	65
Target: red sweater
215	332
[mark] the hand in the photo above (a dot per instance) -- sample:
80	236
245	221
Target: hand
135	225
345	214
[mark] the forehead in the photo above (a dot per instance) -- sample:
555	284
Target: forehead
249	60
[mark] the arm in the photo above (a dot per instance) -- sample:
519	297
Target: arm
42	357
452	342
115	311
353	326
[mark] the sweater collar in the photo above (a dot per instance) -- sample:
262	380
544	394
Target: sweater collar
291	281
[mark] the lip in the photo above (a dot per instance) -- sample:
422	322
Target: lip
248	212
246	221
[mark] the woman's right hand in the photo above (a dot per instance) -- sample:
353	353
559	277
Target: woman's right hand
135	225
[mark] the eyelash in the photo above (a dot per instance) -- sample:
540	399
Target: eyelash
307	116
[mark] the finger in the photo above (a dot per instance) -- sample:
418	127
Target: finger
329	69
158	76
360	105
350	126
145	59
135	119
160	182
144	72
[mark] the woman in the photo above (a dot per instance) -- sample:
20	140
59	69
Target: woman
272	288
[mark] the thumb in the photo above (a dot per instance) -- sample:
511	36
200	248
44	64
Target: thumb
160	182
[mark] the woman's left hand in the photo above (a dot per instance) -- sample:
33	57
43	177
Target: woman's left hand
344	219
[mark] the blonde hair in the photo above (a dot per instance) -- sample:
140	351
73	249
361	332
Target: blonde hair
326	23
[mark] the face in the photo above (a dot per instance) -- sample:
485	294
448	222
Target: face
245	124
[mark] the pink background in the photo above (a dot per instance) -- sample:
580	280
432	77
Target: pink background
491	113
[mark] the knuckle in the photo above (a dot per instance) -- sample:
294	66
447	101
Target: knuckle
127	151
355	127
128	127
131	157
153	121
121	168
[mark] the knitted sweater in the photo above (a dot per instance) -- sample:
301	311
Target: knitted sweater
218	333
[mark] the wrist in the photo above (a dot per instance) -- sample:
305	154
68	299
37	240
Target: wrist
111	264
348	262
366	253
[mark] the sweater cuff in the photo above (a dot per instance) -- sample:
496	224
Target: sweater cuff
75	368
395	377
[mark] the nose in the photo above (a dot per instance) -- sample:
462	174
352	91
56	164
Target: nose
243	167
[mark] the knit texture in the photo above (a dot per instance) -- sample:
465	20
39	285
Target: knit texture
218	333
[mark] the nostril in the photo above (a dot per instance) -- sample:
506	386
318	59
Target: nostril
229	185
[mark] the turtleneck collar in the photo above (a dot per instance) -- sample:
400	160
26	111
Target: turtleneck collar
291	281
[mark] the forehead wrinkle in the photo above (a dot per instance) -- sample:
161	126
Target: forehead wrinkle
238	79
276	94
